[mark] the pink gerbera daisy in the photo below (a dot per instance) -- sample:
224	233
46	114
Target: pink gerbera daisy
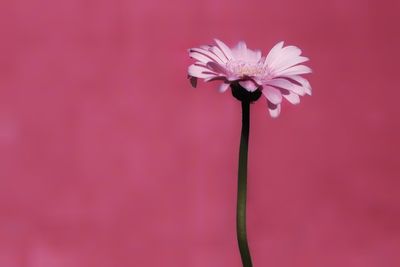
276	75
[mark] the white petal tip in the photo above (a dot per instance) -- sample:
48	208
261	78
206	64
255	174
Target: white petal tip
274	110
274	114
223	87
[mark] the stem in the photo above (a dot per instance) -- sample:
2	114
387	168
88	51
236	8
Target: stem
242	187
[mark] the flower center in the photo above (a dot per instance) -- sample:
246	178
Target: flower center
242	68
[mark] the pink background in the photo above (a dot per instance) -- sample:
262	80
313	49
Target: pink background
109	158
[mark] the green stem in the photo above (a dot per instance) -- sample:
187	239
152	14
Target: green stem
242	187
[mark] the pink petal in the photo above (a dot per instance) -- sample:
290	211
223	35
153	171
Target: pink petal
304	82
272	94
232	77
274	110
200	57
299	69
289	62
286	53
242	46
195	69
200	72
291	51
208	54
253	56
225	49
223	87
273	53
240	51
219	53
216	78
205	47
249	85
216	67
285	84
292	98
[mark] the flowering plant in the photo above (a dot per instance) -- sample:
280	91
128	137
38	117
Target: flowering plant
250	75
276	75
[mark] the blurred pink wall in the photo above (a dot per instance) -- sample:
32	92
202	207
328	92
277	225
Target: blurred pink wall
109	158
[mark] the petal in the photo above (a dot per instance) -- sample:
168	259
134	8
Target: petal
215	67
285	84
200	57
299	69
195	69
200	72
273	53
205	47
274	110
242	46
258	54
215	78
286	53
219	53
292	98
304	82
253	56
223	87
225	49
272	94
207	53
233	77
240	51
288	62
249	85
291	51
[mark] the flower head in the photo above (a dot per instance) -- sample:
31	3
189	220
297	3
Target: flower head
276	75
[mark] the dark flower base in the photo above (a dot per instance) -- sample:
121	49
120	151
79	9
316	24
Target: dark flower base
242	94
